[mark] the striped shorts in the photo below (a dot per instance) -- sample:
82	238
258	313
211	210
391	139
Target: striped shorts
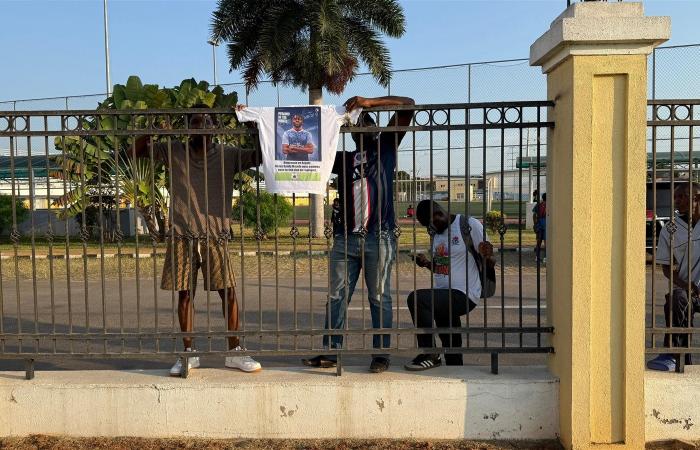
185	257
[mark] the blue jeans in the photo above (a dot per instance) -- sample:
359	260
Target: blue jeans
379	256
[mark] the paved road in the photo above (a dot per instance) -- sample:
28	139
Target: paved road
269	303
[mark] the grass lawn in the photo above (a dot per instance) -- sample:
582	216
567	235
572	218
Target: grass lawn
112	266
283	241
476	209
265	265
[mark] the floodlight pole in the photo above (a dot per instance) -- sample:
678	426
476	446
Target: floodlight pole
107	68
214	43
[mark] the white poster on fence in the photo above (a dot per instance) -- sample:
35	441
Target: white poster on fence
298	144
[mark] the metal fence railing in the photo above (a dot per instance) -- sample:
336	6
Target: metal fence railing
673	202
92	291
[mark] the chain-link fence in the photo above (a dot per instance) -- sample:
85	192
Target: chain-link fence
671	75
671	71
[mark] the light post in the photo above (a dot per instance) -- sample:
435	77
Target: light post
107	69
214	43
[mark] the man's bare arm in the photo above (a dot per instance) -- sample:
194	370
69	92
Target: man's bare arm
400	118
140	149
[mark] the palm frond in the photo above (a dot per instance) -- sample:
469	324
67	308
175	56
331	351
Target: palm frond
232	16
253	70
336	83
331	43
386	16
367	45
308	43
281	24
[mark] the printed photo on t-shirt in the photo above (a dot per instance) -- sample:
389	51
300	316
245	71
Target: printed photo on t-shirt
298	133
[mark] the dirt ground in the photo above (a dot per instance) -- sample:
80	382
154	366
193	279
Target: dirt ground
40	442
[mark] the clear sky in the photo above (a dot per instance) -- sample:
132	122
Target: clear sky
55	47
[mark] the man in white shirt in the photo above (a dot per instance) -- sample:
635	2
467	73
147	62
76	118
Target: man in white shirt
456	280
674	236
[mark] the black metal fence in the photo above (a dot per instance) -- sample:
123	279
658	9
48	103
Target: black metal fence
672	276
91	217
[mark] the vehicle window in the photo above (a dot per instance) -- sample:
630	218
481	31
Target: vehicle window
663	199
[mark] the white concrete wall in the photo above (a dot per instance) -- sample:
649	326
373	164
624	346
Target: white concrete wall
442	403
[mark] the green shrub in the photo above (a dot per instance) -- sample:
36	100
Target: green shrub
89	163
493	220
272	214
6	212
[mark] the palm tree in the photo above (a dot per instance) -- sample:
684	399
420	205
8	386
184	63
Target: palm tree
310	44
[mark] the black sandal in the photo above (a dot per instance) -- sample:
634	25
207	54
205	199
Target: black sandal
320	361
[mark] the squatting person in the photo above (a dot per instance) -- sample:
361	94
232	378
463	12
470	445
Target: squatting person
675	266
456	280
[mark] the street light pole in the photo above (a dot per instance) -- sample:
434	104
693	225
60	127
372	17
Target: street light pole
107	69
214	43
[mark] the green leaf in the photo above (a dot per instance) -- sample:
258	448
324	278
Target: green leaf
227	100
187	97
118	95
154	96
134	88
126	104
208	98
107	123
188	84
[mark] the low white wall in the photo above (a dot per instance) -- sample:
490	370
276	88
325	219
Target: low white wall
445	403
672	405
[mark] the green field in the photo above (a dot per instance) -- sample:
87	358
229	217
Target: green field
476	209
283	241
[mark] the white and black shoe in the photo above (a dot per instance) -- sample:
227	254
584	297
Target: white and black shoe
423	362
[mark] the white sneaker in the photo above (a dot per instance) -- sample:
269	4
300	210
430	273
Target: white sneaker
176	369
244	363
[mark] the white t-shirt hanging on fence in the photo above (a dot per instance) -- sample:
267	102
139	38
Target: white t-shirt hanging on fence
298	144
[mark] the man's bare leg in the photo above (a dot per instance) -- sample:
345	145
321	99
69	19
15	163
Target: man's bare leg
185	313
229	301
229	304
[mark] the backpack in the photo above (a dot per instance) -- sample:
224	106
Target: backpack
487	275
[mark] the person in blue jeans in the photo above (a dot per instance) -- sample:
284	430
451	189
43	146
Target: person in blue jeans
364	238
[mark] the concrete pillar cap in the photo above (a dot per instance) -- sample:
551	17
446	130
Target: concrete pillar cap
599	28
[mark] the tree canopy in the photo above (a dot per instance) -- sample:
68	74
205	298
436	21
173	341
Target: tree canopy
308	43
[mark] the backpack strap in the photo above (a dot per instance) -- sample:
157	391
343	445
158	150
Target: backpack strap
467	238
467	235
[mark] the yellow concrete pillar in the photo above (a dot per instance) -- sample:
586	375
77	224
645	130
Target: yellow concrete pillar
595	58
